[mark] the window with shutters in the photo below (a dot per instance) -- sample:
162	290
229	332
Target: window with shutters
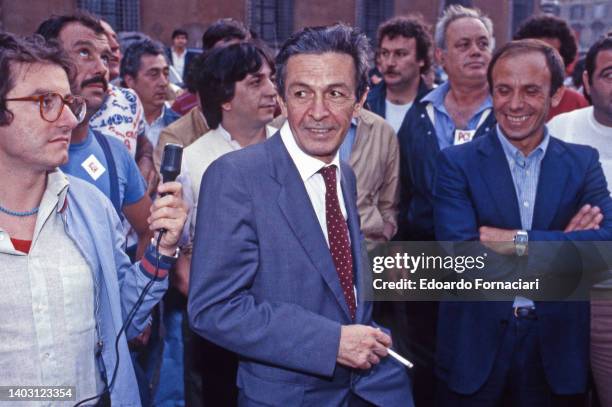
466	3
372	14
272	20
577	12
521	10
122	15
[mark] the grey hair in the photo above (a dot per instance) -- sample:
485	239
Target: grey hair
130	63
338	38
455	12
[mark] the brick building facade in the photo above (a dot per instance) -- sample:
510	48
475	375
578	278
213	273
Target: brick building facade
273	19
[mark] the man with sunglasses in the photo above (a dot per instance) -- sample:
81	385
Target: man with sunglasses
94	156
67	285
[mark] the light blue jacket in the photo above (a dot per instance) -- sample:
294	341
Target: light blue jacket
92	223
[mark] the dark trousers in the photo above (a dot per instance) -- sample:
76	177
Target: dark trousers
210	372
413	329
518	377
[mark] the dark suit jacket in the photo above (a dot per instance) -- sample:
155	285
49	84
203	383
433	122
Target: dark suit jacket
263	284
474	188
189	56
418	156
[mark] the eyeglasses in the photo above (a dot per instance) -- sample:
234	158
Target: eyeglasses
52	105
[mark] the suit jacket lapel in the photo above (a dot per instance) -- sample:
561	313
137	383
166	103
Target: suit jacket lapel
498	179
295	205
551	184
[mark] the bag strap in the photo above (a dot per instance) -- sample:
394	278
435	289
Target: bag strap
112	172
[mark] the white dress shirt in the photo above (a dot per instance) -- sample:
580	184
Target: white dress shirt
178	62
309	167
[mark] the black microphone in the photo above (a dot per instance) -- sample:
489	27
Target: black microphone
170	168
171	162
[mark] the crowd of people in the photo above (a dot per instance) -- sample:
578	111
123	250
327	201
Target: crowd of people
241	282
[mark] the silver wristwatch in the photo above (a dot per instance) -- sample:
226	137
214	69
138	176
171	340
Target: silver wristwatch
521	238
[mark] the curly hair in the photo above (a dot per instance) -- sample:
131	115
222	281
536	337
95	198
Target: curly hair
409	27
30	50
549	26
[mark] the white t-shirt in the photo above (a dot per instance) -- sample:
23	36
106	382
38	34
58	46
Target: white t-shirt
178	62
394	114
580	127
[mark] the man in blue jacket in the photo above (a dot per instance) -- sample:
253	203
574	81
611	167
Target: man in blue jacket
277	273
516	186
455	112
68	285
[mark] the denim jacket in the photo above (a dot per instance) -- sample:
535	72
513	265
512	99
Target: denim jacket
92	223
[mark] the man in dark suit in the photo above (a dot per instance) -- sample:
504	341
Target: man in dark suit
517	186
179	56
277	269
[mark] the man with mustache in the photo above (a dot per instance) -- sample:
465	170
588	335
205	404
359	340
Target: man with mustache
95	157
121	115
404	46
144	69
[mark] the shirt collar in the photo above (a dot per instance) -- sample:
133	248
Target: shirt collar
306	165
181	55
437	95
160	117
511	151
228	137
57	189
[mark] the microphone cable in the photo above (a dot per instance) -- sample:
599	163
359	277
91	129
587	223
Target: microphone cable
108	386
170	168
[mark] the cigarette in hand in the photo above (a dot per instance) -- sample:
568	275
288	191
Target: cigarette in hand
400	358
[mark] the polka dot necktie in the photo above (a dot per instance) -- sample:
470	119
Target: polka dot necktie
338	235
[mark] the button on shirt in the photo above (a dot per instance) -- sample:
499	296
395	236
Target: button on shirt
525	174
443	122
